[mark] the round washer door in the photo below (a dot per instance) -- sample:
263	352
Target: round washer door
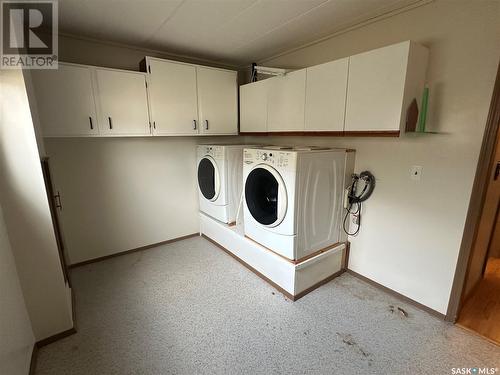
208	178
265	195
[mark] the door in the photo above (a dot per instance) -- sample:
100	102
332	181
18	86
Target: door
486	227
123	102
286	100
265	195
326	90
173	98
55	205
65	101
209	178
217	101
376	88
253	107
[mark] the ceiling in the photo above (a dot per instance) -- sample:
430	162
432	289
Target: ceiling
236	32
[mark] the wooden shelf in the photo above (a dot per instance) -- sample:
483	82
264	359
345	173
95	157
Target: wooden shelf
393	134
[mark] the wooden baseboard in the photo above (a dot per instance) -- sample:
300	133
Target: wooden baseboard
398	295
318	284
56	337
142	248
269	281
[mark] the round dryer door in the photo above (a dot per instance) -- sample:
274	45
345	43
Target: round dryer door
265	195
208	178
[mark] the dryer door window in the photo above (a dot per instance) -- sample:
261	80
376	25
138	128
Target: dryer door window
208	178
265	195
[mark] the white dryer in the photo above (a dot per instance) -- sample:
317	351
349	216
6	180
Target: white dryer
220	180
294	198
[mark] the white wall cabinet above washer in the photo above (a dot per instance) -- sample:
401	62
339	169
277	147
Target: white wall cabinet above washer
65	101
123	103
382	84
217	100
286	97
187	99
326	95
173	97
253	106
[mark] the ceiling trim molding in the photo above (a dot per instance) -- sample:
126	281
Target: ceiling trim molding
147	51
374	19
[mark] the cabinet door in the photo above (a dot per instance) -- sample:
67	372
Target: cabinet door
123	102
173	98
326	87
65	101
286	99
253	107
217	101
376	88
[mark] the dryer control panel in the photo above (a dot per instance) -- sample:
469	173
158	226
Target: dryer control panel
275	158
217	152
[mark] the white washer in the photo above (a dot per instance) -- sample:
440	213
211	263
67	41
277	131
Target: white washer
220	180
294	198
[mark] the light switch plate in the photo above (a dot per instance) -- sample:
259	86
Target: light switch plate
416	172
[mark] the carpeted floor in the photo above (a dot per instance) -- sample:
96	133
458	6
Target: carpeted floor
188	308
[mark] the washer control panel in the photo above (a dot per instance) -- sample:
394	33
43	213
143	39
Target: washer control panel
275	158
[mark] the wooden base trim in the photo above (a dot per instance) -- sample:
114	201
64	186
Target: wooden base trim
374	133
269	281
398	295
296	261
56	337
276	286
318	284
94	260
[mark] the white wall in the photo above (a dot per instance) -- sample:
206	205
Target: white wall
411	231
16	335
26	213
122	193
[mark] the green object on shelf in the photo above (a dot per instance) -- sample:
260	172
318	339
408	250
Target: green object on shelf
423	113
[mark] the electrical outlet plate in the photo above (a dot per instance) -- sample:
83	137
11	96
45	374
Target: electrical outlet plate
416	172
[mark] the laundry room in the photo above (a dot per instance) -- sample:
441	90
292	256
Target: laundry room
250	187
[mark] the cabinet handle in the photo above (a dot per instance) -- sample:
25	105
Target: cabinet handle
57	199
154	125
110	123
206	124
194	124
91	125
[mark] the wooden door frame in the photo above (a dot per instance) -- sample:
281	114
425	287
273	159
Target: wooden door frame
476	203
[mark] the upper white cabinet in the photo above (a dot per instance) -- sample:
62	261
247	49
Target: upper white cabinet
122	98
286	99
217	100
253	106
187	99
65	101
382	84
173	97
365	94
326	96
